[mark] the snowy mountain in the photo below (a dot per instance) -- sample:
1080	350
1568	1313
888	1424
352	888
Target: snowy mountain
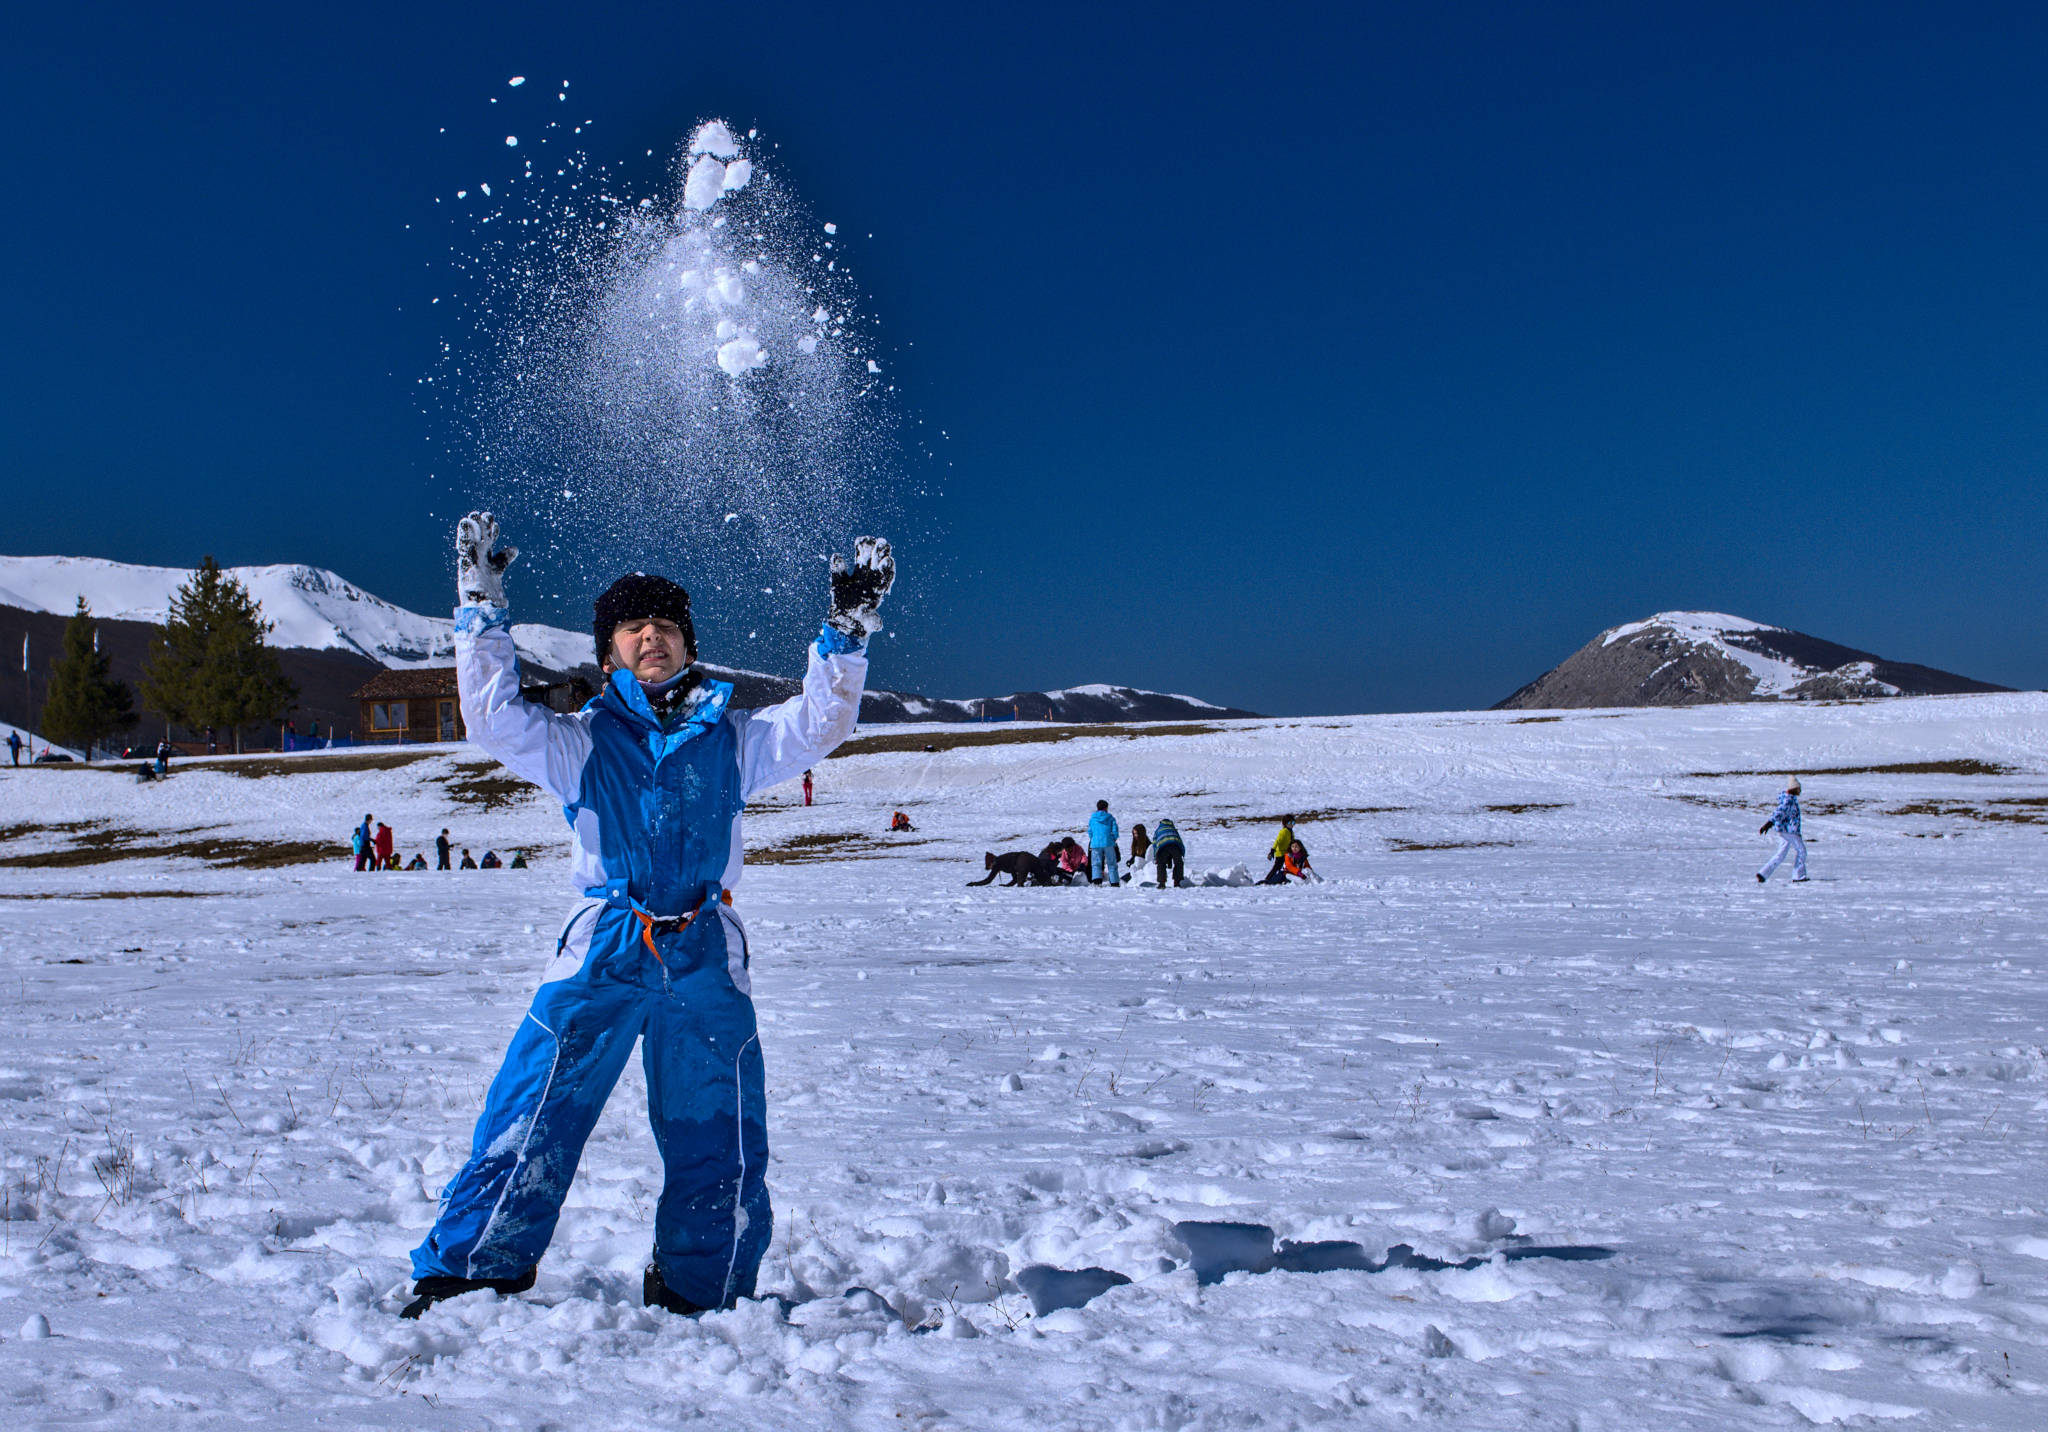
333	636
312	608
1694	658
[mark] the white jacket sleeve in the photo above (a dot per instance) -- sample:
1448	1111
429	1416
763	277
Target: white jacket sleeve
780	742
532	742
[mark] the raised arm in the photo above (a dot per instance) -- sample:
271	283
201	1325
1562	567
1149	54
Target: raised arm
778	742
534	743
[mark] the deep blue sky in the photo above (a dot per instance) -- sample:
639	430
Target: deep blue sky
1326	358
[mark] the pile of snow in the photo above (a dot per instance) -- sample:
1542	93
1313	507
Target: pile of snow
310	606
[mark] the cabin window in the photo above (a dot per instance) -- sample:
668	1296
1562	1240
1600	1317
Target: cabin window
447	720
387	716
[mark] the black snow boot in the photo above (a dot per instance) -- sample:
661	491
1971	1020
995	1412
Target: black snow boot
654	1293
429	1291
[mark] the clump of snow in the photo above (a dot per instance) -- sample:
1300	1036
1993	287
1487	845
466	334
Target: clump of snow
705	184
714	137
741	354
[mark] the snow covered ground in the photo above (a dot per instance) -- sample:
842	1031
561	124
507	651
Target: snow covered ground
1540	997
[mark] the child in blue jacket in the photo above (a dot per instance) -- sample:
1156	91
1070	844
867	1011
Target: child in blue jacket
652	776
1102	853
1785	821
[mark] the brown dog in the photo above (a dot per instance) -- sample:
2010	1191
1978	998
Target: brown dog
1020	865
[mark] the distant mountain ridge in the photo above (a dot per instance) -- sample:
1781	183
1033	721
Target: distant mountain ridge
1696	658
332	636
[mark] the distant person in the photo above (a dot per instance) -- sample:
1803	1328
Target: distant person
14	744
491	861
364	843
418	862
357	846
1293	866
163	760
1279	852
1785	821
1102	838
1140	843
291	735
441	848
518	860
1167	853
1073	860
900	821
383	842
468	863
807	787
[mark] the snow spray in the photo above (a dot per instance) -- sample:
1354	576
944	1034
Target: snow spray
678	383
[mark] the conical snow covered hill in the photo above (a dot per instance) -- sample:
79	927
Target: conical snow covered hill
1695	658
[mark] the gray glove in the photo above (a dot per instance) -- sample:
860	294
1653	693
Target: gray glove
480	562
857	590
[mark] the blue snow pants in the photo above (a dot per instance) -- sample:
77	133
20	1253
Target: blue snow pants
705	1100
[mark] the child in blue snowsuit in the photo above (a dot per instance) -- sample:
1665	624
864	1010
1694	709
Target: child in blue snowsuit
1785	821
1102	854
652	775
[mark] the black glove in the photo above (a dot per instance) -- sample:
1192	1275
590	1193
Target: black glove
1764	829
857	590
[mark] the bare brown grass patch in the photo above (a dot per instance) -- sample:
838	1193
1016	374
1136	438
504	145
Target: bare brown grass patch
103	847
1306	817
2019	813
1407	845
485	784
117	895
1959	766
826	846
325	764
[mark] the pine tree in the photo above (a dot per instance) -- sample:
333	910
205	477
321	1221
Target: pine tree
85	704
209	665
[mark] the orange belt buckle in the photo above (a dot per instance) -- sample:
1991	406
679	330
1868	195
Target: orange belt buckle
647	923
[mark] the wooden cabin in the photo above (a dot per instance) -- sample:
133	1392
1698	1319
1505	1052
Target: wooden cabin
421	704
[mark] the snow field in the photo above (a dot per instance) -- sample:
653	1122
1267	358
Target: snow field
1539	997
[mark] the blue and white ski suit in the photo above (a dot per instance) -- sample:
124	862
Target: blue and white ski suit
655	807
1785	821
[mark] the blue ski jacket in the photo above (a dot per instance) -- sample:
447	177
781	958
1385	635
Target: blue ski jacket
654	806
1102	830
1785	819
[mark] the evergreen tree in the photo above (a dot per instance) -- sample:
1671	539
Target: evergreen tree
85	704
209	665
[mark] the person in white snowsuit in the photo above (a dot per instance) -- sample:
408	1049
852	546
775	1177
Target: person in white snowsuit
652	776
1785	821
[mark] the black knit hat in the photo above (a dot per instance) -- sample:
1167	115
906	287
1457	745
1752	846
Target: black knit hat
638	595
